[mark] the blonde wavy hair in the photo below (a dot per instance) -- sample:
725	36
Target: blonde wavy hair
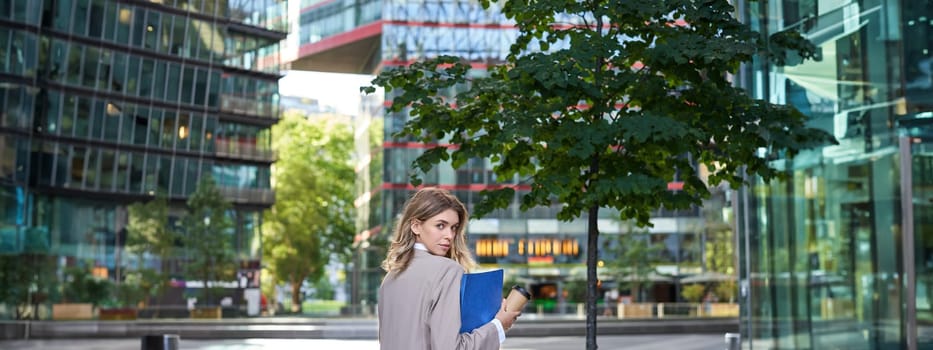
424	204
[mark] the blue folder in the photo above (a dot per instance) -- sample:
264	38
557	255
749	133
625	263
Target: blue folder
480	298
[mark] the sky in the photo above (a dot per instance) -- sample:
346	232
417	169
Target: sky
341	91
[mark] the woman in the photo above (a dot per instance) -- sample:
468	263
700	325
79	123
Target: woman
419	300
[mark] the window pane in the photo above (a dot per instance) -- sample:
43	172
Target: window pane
183	131
212	100
60	177
79	20
58	59
140	126
165	172
124	19
75	54
191	176
96	25
111	123
158	84
179	47
200	87
153	24
197	132
62	14
68	112
151	174
178	176
155	127
104	70
120	177
187	82
139	27
132	75
82	117
77	166
165	34
145	78
50	124
136	172
107	165
5	54
171	83
89	74
97	120
127	122
118	76
168	129
92	170
110	21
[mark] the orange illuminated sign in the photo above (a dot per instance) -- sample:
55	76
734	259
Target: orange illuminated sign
494	247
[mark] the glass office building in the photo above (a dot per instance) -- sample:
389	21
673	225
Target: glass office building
841	254
365	37
104	103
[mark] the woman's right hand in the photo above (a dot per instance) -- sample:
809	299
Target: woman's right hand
507	318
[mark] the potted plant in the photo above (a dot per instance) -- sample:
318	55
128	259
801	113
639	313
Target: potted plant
83	293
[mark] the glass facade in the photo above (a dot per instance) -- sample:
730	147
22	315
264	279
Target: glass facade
532	246
105	103
838	256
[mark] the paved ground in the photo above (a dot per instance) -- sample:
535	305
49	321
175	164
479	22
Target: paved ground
620	342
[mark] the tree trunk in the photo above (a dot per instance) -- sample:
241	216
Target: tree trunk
296	296
591	278
592	255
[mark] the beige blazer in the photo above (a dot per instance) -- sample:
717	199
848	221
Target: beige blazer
419	309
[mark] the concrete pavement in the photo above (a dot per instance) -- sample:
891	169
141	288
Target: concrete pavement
612	342
340	328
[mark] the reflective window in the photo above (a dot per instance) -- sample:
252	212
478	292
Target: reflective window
124	20
107	169
826	246
5	51
146	82
82	117
109	20
178	176
62	15
137	162
80	17
122	172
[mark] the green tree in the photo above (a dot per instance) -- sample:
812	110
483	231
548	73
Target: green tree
29	280
312	220
148	232
82	287
719	248
635	261
726	291
601	104
693	293
207	237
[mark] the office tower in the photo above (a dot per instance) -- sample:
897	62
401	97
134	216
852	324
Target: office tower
107	103
839	256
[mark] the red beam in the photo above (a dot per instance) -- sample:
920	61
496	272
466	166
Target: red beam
469	187
357	34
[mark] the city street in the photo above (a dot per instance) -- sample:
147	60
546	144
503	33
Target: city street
640	342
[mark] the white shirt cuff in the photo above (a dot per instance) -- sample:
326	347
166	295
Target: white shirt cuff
500	329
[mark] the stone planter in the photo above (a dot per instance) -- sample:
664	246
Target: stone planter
72	311
720	309
118	314
636	310
213	313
